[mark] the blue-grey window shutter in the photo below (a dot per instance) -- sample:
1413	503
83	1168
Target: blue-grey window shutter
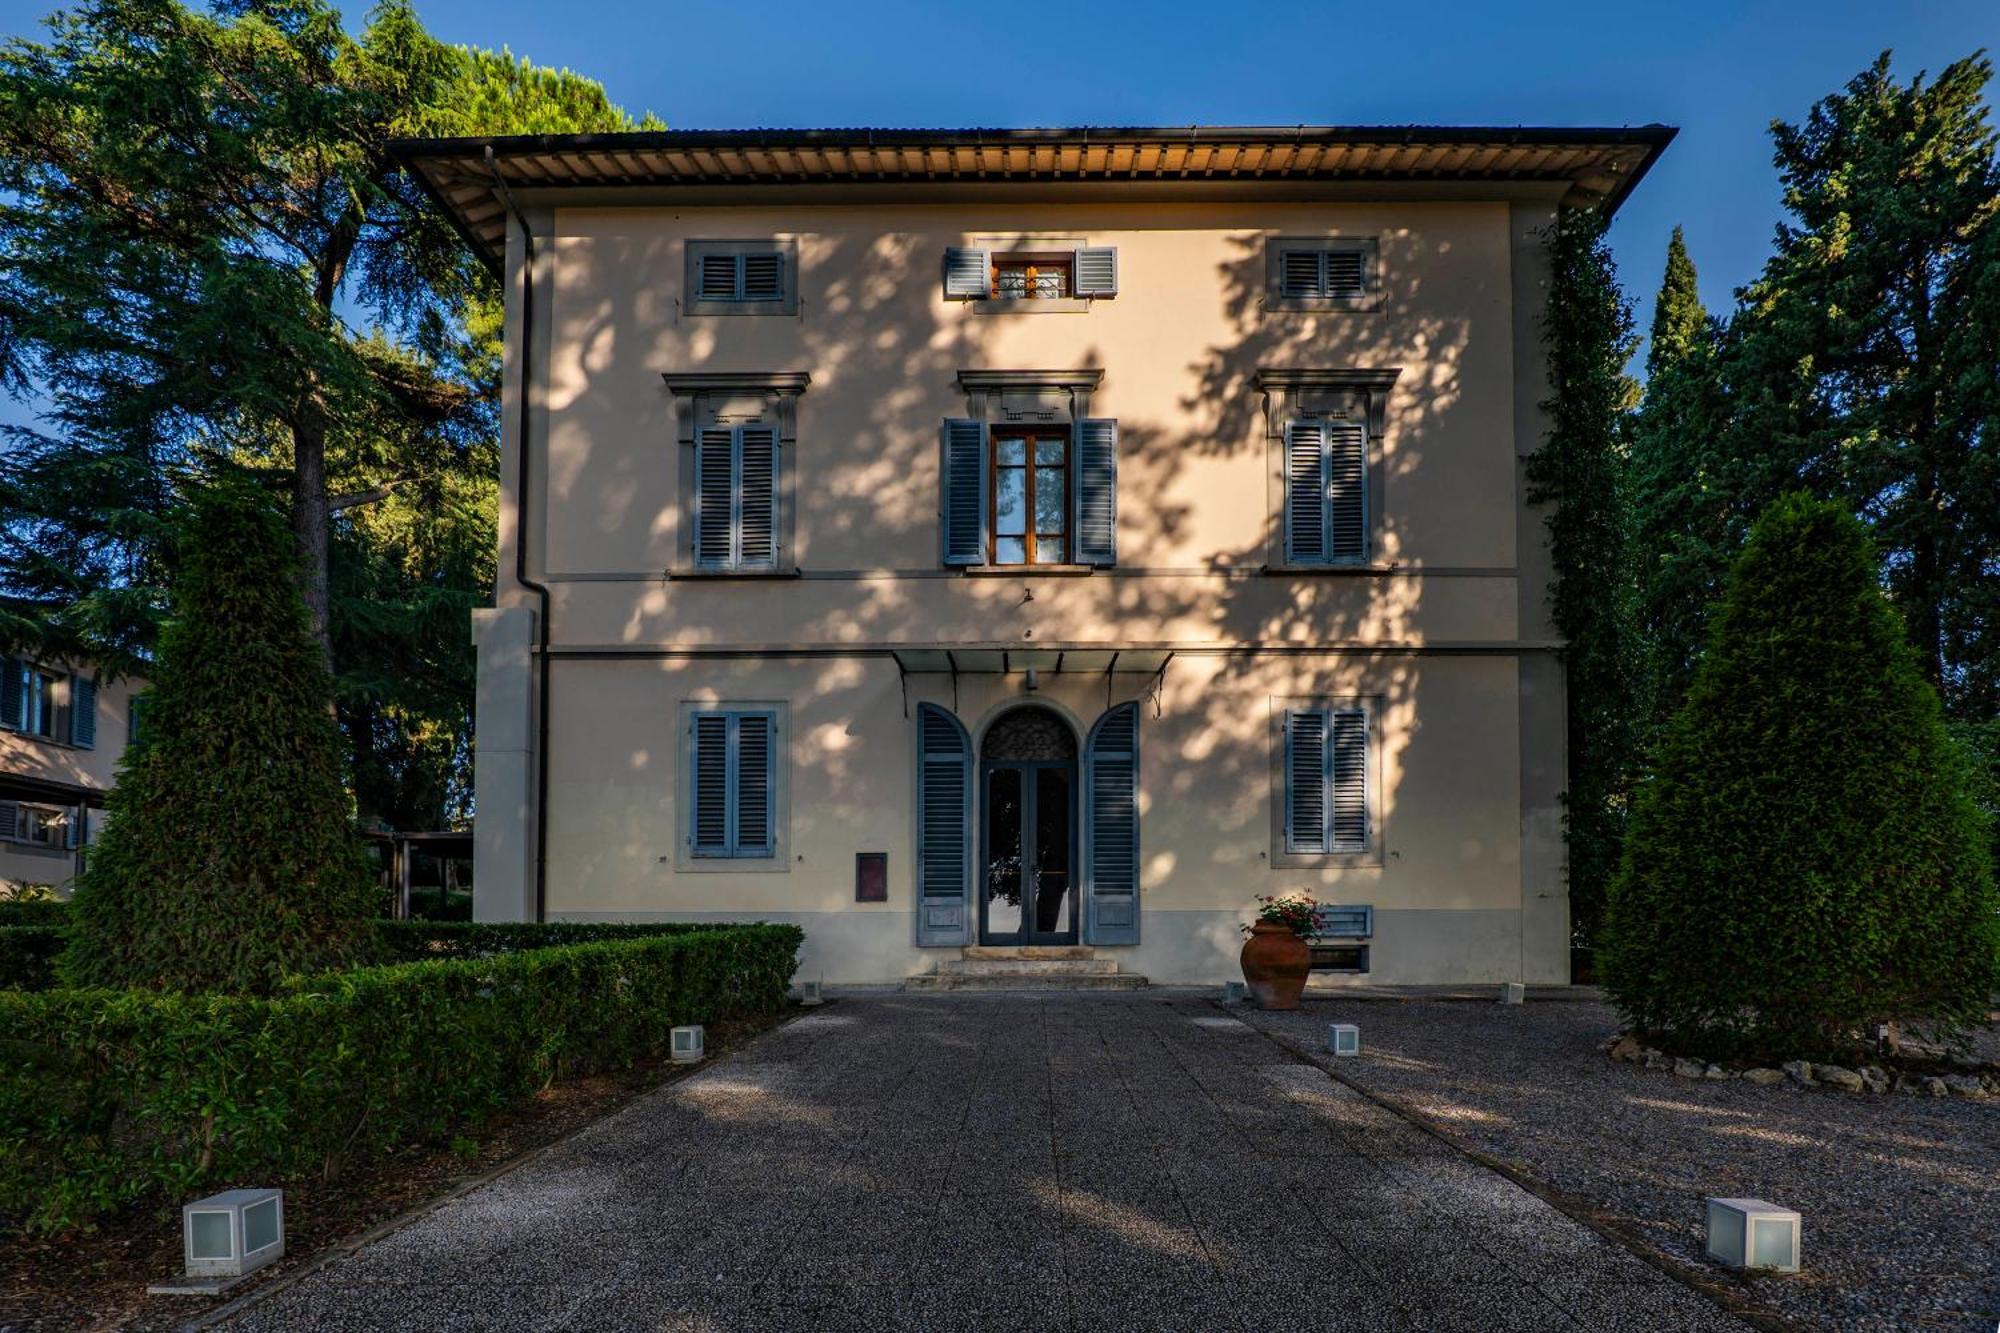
83	712
714	497
1097	270
10	693
1346	490
757	497
10	820
1097	492
135	710
1305	493
764	275
1111	828
962	506
755	783
968	273
1305	781
1347	781
708	784
944	828
72	822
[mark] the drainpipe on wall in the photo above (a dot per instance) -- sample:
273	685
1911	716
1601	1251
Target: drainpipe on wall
540	590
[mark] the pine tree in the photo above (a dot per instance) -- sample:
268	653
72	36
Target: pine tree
229	857
1806	860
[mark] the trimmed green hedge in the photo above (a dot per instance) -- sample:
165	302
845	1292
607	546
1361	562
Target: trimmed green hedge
109	1098
28	956
416	941
33	912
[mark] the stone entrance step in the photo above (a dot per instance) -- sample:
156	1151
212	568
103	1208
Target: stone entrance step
1029	967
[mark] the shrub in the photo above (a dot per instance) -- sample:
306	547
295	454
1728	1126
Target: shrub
228	859
28	956
1806	860
109	1098
33	912
415	941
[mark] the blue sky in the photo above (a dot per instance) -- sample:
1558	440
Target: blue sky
1720	71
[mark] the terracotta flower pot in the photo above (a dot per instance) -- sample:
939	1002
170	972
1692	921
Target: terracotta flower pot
1275	963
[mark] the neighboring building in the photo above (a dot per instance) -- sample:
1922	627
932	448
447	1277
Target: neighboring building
1029	537
63	728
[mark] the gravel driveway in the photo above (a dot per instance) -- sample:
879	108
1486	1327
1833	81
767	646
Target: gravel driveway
1047	1161
1899	1195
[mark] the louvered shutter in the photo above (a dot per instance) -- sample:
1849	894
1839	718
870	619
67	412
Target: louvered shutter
944	828
764	276
1346	274
968	273
755	782
716	278
757	497
1097	492
83	712
1305	782
708	784
10	693
1111	828
714	497
1347	780
10	820
1305	493
1299	273
962	506
1346	490
1097	270
72	822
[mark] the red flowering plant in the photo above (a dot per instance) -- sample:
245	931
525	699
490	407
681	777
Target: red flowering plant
1296	912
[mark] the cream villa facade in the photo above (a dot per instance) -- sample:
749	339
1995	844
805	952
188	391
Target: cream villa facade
63	728
1007	538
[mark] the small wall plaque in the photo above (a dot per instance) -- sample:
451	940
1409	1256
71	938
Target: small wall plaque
871	877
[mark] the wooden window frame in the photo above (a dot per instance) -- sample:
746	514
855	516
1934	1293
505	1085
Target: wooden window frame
1030	433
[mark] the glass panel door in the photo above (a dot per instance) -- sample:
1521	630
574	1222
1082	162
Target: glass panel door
1001	909
1054	899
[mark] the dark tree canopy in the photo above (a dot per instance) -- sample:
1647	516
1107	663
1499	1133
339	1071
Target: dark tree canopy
1806	860
208	258
229	857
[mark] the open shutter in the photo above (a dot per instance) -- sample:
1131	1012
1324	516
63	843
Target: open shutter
756	776
72	822
10	693
944	828
1097	271
1111	828
1305	493
758	497
1097	492
83	712
1347	777
1305	782
708	780
962	507
10	820
714	497
968	273
1346	490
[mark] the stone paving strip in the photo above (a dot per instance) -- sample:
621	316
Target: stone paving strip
1045	1161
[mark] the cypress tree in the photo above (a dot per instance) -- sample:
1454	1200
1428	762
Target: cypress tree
1806	860
229	858
1578	474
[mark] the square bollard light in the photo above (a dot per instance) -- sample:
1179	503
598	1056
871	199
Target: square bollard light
234	1232
1232	992
1343	1039
811	994
687	1045
1750	1233
1513	992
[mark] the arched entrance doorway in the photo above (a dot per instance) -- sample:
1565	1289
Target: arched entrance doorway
1028	830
